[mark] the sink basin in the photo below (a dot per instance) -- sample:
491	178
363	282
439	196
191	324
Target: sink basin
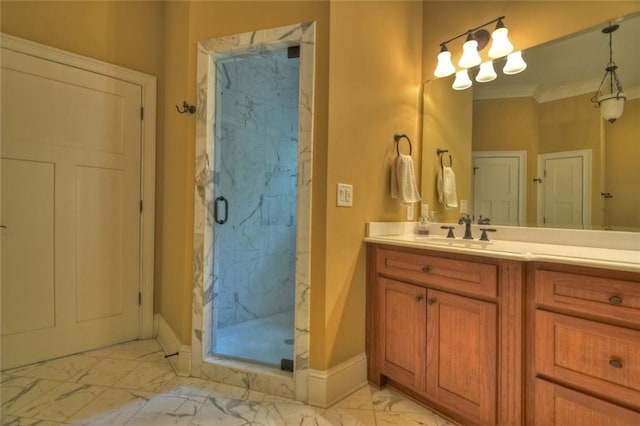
455	242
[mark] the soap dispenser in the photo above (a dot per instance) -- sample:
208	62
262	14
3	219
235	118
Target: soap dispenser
423	223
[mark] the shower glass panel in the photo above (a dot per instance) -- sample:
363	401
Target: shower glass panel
255	190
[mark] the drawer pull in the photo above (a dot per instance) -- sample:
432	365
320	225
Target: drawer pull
615	300
418	298
615	363
430	301
425	269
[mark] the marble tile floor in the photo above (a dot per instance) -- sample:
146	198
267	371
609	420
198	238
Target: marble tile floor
132	384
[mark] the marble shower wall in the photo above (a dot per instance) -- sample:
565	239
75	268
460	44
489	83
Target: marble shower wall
256	171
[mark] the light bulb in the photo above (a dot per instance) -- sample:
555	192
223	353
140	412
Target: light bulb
445	66
470	57
462	80
486	73
515	63
500	46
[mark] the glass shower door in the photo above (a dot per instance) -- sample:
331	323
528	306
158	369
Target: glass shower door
255	190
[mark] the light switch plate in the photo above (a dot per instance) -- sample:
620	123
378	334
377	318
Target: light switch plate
345	195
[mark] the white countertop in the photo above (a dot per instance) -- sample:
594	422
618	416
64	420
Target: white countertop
626	258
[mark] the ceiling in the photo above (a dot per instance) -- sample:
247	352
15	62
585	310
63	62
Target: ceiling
571	66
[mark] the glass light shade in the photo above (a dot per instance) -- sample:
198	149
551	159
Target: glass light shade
462	80
486	73
515	63
500	46
470	56
611	106
445	66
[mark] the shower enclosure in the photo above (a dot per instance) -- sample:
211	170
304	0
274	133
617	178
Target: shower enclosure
255	202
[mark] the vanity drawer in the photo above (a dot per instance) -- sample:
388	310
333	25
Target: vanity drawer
609	298
557	405
597	357
469	277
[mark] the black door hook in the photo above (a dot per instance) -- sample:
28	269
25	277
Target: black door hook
186	108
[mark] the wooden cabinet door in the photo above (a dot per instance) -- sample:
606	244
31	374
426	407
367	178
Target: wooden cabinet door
557	405
401	331
461	355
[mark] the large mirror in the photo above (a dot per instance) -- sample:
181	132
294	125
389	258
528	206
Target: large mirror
531	149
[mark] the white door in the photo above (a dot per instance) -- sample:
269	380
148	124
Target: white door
70	202
563	191
498	187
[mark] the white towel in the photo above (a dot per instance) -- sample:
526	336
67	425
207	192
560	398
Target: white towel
403	180
447	187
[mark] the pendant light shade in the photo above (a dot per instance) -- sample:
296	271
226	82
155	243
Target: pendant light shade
500	46
486	73
470	56
445	67
515	63
612	106
462	80
610	99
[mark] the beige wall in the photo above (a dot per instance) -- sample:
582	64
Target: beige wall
447	125
622	162
374	89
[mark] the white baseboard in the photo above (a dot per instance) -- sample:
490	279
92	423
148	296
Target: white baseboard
171	344
328	387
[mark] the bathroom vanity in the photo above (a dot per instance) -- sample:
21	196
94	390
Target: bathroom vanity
506	332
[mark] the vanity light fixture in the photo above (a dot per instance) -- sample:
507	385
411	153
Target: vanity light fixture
611	103
477	39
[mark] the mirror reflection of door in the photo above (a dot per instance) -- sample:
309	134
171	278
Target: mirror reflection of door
499	186
563	196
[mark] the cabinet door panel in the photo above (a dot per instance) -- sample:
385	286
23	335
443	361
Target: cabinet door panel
461	355
402	321
557	405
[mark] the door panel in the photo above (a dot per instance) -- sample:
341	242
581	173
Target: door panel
75	197
29	236
563	189
496	189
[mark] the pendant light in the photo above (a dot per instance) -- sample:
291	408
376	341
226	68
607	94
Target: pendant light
462	80
515	64
611	103
470	56
486	73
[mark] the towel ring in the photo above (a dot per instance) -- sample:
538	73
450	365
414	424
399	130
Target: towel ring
439	152
397	137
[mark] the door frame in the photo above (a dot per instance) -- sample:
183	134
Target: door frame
204	365
147	84
522	178
586	183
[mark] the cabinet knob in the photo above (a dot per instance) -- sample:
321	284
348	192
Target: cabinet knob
615	363
615	300
418	298
425	269
430	301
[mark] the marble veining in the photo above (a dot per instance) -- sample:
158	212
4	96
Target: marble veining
188	401
211	54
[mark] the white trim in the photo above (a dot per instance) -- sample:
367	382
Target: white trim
586	183
522	177
171	344
148	158
330	386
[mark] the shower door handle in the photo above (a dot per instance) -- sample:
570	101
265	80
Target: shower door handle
216	216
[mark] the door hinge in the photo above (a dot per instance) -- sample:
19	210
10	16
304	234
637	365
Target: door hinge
544	219
139	298
141	113
140	206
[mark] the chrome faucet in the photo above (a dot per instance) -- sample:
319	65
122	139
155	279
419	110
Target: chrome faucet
467	227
